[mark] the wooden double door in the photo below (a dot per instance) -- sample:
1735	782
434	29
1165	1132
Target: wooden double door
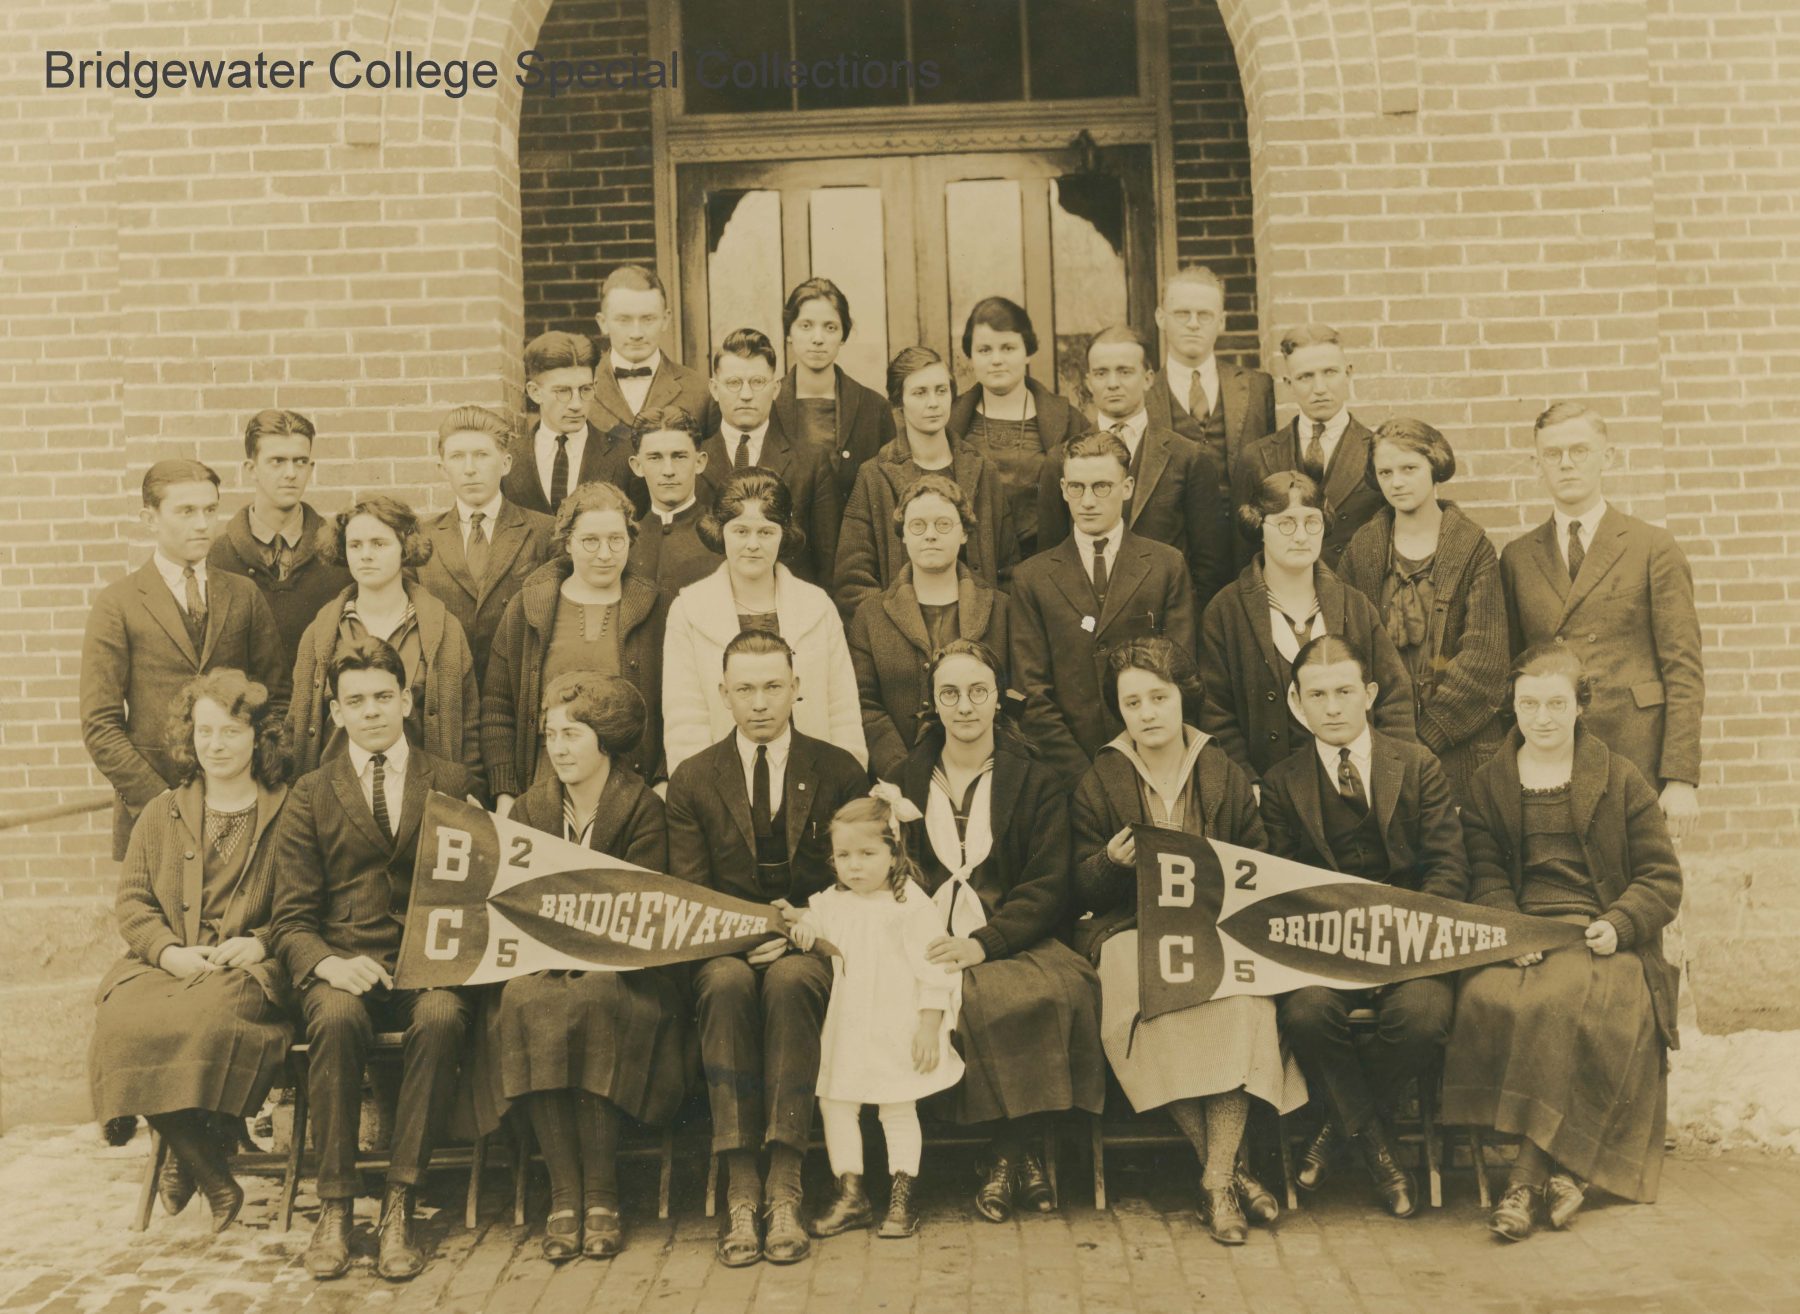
915	241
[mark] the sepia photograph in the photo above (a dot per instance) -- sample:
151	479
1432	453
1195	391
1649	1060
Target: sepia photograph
911	656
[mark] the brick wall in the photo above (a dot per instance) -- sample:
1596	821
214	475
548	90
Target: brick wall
584	170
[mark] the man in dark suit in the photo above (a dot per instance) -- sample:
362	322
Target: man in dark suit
1324	441
564	449
1222	407
159	627
1101	585
751	816
1620	592
345	843
636	376
666	455
744	382
483	547
1364	803
274	541
1176	497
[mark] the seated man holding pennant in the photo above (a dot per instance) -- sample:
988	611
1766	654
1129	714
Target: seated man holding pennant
345	846
751	816
1364	803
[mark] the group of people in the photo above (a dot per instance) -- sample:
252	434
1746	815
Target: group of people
909	669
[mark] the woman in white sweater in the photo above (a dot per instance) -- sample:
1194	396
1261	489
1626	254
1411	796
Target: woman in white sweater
752	523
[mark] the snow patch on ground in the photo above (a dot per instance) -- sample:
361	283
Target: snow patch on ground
1736	1092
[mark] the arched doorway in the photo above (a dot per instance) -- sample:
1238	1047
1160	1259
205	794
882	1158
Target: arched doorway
1075	169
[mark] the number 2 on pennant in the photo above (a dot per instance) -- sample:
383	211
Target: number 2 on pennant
521	851
1246	881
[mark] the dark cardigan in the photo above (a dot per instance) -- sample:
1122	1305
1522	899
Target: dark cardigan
890	650
311	581
1109	798
1629	855
865	421
1462	678
1246	677
1026	878
870	554
512	694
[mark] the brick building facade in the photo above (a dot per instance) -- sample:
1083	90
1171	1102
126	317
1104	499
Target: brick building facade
1498	203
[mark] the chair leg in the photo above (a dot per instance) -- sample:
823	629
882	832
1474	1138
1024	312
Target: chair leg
1097	1140
667	1177
159	1150
1287	1160
1429	1131
713	1164
290	1177
1050	1159
521	1165
477	1159
1479	1160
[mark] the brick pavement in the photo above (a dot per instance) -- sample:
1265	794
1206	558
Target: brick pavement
1720	1239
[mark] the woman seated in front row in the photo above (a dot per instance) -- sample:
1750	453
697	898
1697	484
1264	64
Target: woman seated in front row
935	598
1568	1049
993	843
1256	625
193	1021
1204	1063
579	1049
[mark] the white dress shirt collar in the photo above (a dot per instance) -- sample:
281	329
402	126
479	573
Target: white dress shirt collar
544	449
778	755
491	511
1181	380
616	362
757	436
393	770
172	575
1134	429
1084	546
1589	521
1360	748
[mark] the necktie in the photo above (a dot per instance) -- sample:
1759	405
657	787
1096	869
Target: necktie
559	473
741	457
1100	570
639	372
378	788
1312	460
195	615
1121	432
1198	403
762	823
478	545
281	558
1349	782
1577	553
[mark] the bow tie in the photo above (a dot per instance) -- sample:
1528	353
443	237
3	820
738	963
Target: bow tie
640	372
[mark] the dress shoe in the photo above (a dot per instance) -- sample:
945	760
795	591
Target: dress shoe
1512	1218
174	1185
562	1236
1259	1205
1563	1196
191	1143
602	1232
1392	1182
1032	1188
742	1243
328	1253
398	1258
1315	1160
784	1239
1223	1217
994	1200
902	1219
849	1208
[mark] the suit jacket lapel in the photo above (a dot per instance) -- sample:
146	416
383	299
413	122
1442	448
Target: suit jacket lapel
607	398
1549	561
1255	602
161	604
504	546
786	410
1311	807
1153	460
218	617
1386	775
1130	569
1609	545
1160	403
611	814
901	604
1009	779
798	790
412	803
447	547
848	409
1234	396
729	772
1349	464
1073	581
664	390
350	799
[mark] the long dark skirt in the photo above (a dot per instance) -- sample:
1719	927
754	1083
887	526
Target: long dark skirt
1029	1036
1566	1054
619	1035
214	1041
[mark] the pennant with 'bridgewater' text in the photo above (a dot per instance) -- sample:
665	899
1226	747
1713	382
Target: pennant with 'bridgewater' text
492	899
1216	920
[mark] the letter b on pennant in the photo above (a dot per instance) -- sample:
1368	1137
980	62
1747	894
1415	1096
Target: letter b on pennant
452	855
1177	880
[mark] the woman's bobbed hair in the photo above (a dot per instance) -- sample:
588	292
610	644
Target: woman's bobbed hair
763	487
415	548
271	760
1273	496
1420	439
1551	657
1167	661
606	704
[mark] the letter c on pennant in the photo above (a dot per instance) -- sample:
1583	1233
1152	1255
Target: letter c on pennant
439	946
1169	946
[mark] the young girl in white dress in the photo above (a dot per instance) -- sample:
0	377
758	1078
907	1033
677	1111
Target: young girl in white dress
886	1040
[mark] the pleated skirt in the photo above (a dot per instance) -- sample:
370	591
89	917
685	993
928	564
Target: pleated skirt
1029	1036
1567	1054
1208	1049
619	1035
214	1041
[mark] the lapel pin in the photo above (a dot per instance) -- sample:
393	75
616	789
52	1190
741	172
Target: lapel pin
1087	623
801	786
